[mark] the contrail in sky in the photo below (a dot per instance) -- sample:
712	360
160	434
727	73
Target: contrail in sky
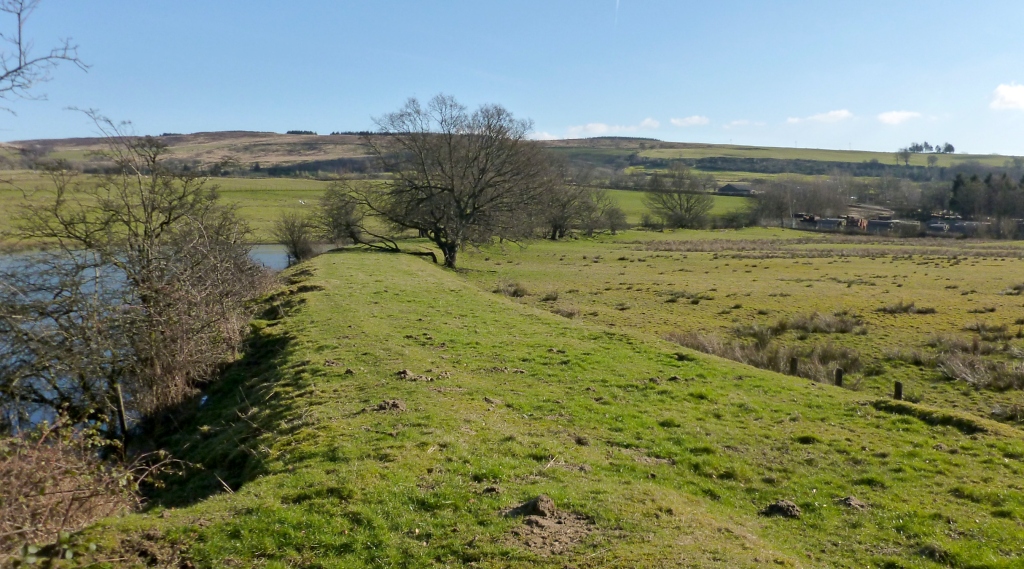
616	13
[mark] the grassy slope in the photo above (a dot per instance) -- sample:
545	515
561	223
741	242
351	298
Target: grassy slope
674	473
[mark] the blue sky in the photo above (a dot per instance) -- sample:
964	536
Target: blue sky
865	75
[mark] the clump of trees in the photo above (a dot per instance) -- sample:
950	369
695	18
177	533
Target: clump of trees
904	154
459	177
338	220
571	203
300	132
780	198
681	198
141	294
922	147
455	177
996	196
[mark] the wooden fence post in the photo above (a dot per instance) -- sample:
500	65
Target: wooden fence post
897	393
839	377
792	365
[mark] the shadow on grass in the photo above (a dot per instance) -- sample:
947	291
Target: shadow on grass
218	433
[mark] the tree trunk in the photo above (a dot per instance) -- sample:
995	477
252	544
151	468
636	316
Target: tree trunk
554	233
449	251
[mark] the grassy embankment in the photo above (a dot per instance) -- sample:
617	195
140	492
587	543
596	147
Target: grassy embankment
668	455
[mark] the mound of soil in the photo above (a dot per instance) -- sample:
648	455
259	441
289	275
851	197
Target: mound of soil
782	508
854	503
390	405
546	530
410	376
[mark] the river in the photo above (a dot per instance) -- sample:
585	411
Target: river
271	256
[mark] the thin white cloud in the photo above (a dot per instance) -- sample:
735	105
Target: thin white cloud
898	117
828	118
741	123
695	120
1008	97
602	129
544	135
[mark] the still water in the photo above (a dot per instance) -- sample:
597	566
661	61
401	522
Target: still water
273	257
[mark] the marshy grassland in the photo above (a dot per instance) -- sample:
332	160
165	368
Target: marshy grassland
388	412
925	312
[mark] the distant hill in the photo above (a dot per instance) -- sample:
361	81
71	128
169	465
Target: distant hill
285	154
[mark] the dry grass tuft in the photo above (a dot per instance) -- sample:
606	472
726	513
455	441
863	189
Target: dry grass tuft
817	362
903	307
512	289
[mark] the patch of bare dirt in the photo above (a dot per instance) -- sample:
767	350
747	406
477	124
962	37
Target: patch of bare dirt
642	458
547	530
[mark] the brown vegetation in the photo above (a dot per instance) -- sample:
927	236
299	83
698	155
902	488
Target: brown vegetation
54	482
817	362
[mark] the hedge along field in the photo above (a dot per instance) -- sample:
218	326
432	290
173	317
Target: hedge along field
389	413
926	312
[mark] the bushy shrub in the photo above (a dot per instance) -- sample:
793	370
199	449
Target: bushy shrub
296	232
512	289
569	312
55	482
982	373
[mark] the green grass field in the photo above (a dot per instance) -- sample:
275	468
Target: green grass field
660	456
262	201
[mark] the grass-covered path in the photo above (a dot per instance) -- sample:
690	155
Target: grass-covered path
666	458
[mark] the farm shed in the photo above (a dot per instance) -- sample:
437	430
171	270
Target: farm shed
737	189
831	224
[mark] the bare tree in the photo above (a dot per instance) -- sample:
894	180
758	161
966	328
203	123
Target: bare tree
457	177
296	232
681	198
340	217
774	201
20	68
569	203
903	154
